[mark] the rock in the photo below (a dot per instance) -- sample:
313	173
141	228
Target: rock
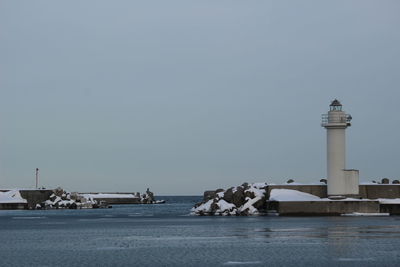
260	204
214	207
228	196
249	194
385	181
290	181
59	191
323	181
395	182
238	197
76	196
209	195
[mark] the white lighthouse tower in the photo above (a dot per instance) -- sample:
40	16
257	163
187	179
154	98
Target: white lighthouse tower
341	181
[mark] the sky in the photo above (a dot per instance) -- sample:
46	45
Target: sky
187	96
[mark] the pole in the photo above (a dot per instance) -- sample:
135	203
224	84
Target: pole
37	177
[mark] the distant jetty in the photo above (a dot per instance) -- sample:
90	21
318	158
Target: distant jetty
61	199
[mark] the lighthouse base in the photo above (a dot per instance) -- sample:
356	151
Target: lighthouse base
346	185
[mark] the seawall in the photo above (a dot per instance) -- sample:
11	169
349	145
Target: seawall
369	191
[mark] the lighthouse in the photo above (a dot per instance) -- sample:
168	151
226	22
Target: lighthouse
341	182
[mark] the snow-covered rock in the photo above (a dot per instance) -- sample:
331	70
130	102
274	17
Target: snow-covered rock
247	199
62	199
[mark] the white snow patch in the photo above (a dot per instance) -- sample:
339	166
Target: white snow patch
249	205
295	195
12	196
389	200
259	194
225	207
220	194
291	195
206	207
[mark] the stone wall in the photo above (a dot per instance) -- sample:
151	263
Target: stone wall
373	191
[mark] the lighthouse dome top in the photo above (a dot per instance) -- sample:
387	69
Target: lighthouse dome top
335	105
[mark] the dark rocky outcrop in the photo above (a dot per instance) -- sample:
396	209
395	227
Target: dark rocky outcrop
238	197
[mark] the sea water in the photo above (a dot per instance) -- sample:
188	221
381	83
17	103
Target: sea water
166	235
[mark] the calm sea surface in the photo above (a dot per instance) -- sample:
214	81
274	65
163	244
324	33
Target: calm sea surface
165	235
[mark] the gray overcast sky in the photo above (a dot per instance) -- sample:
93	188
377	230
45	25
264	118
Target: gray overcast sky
184	96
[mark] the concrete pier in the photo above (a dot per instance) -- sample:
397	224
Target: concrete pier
366	191
323	208
366	202
372	199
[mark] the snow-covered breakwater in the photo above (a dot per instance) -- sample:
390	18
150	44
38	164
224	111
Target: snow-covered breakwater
61	199
298	200
246	199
